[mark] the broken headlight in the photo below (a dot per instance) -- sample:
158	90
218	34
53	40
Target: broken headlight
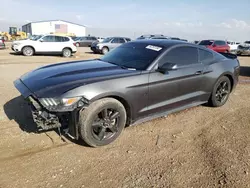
62	104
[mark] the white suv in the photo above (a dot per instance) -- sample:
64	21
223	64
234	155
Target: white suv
45	44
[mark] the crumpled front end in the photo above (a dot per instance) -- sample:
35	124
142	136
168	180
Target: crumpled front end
53	115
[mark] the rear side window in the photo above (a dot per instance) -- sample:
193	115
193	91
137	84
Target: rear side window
65	39
205	56
206	42
182	56
58	39
121	40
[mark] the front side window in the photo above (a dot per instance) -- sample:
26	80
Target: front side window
106	40
115	40
49	39
181	56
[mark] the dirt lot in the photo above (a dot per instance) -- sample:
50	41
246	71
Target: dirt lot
199	147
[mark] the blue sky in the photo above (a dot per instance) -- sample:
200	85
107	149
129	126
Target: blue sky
191	19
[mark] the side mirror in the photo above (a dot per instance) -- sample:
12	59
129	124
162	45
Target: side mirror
167	67
214	45
41	40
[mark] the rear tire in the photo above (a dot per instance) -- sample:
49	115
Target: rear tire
102	122
66	52
28	51
221	92
105	50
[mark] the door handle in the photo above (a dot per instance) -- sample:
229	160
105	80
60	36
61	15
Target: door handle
198	72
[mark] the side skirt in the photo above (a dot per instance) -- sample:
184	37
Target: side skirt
162	114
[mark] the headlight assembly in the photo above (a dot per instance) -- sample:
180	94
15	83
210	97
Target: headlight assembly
16	43
62	104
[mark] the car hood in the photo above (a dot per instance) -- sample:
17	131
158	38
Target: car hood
28	41
56	79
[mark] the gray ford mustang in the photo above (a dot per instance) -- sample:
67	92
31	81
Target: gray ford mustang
138	81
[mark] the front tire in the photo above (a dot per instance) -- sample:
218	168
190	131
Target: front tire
66	52
28	51
105	50
221	92
102	122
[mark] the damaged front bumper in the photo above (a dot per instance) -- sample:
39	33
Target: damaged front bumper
48	120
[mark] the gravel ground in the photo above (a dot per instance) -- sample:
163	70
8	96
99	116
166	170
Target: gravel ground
199	147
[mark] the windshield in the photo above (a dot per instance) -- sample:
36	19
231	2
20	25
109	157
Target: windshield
206	42
35	37
128	56
106	40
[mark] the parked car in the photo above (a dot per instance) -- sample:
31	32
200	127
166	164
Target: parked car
160	37
242	50
149	36
137	81
108	44
74	38
184	40
174	38
216	45
233	45
45	44
85	41
246	43
2	43
100	39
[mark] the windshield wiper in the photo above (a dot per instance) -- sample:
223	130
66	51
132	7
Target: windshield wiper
128	68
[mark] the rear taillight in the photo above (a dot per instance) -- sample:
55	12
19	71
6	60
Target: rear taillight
2	41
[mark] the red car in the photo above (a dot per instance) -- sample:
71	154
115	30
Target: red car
216	45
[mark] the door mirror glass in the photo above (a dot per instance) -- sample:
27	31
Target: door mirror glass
167	67
41	40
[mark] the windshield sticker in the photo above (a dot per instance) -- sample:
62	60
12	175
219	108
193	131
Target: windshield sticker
155	48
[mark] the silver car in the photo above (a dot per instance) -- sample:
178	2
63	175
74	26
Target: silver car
108	44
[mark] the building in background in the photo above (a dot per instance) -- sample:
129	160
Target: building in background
54	26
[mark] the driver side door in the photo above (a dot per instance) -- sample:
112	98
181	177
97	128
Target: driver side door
176	88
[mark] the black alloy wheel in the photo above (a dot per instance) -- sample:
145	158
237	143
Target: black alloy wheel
105	124
102	122
221	92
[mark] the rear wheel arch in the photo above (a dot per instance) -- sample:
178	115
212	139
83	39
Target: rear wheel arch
230	77
68	48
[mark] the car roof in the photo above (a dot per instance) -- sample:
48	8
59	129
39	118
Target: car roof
160	42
